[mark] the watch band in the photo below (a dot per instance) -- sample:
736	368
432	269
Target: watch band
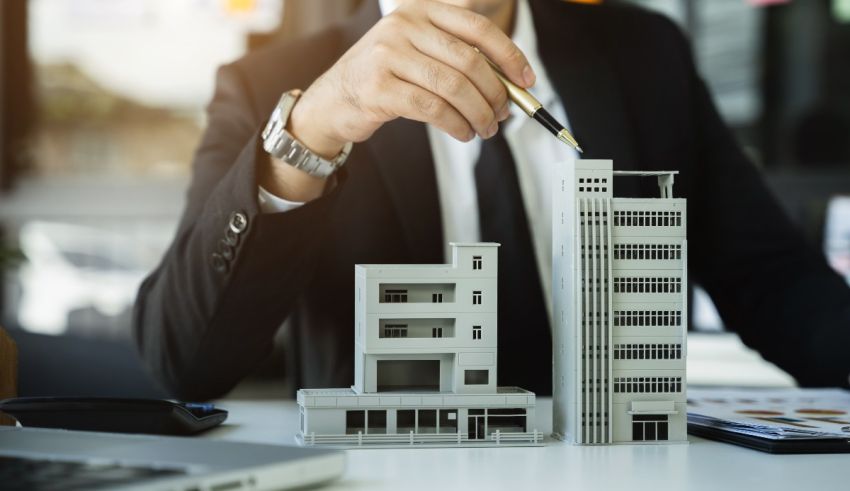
280	144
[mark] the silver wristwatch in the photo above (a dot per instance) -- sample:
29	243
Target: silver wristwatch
280	144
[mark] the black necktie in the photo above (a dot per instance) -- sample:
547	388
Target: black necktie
525	342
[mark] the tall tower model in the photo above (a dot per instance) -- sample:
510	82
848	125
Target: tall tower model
424	362
620	306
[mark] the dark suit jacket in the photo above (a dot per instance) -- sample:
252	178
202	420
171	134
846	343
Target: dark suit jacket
632	94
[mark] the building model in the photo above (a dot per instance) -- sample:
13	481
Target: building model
425	362
620	307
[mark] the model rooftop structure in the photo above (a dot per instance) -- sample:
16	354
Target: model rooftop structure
425	362
620	306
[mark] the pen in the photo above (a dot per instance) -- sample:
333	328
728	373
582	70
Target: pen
531	106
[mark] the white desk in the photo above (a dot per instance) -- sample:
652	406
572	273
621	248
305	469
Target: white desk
557	466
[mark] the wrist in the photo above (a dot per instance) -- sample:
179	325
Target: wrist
289	183
310	132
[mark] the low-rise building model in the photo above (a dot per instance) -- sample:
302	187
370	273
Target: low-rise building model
425	362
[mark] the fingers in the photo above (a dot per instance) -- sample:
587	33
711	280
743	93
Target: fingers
411	101
451	86
462	57
479	31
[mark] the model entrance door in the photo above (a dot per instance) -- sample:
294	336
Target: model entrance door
476	424
649	427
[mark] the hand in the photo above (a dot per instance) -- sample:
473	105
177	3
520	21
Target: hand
418	62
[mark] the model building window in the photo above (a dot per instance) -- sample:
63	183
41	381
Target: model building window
377	422
649	427
395	296
436	332
632	385
476	262
647	218
647	285
448	421
506	420
427	421
436	298
405	421
650	318
476	298
476	377
355	422
647	351
394	331
476	332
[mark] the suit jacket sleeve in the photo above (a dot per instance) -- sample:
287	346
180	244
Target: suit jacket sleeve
769	285
203	323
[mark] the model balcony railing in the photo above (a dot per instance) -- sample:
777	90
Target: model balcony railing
360	439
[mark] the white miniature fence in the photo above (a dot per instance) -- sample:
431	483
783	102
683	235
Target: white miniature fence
533	438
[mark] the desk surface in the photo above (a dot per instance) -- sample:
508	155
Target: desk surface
702	464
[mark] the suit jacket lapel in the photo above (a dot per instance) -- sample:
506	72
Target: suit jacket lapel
571	48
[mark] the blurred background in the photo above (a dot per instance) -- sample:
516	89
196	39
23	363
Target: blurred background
101	106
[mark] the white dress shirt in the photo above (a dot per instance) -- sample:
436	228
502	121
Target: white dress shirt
535	151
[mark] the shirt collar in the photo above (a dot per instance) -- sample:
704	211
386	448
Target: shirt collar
387	6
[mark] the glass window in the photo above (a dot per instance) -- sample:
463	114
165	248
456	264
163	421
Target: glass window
506	420
405	420
377	421
448	420
476	377
427	421
355	422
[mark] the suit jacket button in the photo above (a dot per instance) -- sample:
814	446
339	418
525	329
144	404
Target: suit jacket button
225	250
230	237
238	222
218	263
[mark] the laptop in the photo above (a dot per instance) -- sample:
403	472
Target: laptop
45	459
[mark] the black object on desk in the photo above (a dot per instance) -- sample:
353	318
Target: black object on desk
151	416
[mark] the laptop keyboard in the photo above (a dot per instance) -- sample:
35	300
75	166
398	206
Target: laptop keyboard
17	473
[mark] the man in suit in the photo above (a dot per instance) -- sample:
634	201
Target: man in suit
264	239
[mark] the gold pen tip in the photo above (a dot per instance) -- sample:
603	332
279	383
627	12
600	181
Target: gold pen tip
567	138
